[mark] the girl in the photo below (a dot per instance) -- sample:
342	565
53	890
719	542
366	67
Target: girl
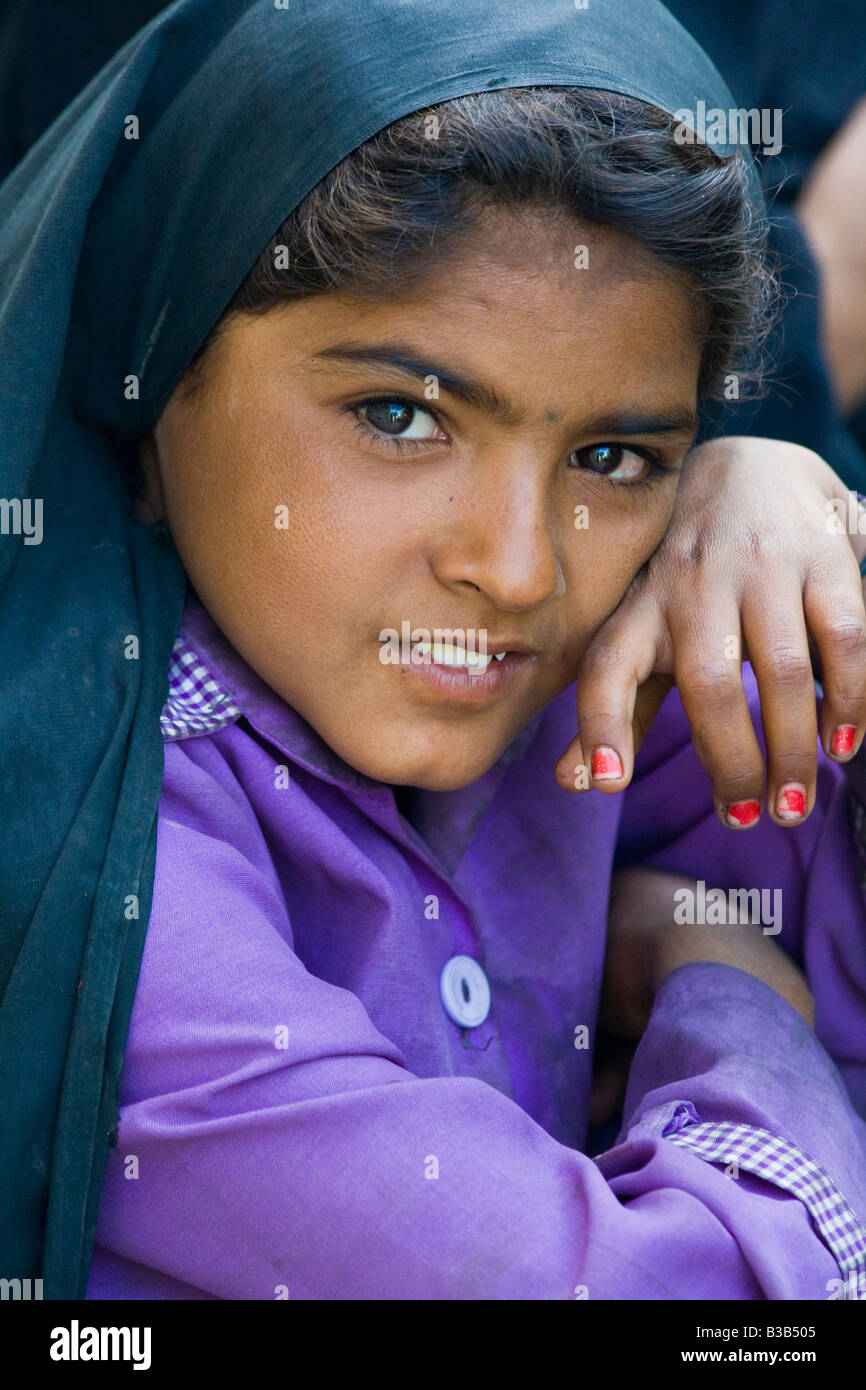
455	393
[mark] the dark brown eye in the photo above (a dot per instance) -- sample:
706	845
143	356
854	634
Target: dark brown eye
399	418
613	461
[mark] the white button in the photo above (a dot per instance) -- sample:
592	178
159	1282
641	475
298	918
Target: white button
465	991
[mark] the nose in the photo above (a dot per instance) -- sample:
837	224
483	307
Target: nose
506	542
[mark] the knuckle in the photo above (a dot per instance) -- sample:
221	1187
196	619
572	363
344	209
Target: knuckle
824	573
792	765
711	680
694	552
743	778
740	785
753	544
790	668
598	715
691	550
848	637
849	701
604	658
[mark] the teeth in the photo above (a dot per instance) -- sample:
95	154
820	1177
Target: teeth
500	656
446	654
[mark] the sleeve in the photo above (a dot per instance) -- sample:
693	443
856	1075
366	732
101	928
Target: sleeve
273	1143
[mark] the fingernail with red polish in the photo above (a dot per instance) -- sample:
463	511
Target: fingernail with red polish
606	765
743	812
842	741
791	801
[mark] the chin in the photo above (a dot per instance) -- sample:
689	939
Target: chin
446	773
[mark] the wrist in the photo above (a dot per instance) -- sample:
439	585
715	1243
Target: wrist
744	947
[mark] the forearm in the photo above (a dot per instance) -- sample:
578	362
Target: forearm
648	940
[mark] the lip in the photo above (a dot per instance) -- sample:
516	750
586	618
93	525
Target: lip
460	686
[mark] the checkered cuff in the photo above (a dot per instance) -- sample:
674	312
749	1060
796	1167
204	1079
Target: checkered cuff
780	1162
196	702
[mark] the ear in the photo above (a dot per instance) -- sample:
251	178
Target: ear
151	506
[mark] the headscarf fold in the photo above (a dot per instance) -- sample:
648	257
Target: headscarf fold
125	232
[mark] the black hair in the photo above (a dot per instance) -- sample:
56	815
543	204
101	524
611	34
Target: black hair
393	207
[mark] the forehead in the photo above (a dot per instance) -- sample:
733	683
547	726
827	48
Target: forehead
552	305
551	311
554	270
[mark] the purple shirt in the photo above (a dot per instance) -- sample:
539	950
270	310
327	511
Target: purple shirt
301	1116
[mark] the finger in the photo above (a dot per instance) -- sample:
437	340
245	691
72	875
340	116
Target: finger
778	643
836	621
707	656
571	771
620	658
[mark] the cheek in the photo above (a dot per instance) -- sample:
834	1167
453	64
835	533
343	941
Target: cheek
604	558
307	549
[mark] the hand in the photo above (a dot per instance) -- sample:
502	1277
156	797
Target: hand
645	944
832	209
751	567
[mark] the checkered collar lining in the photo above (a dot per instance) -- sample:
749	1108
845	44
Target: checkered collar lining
197	703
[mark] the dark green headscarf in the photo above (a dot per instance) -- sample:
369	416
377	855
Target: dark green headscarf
125	232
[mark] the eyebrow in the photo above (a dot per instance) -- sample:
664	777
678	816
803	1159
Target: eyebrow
481	396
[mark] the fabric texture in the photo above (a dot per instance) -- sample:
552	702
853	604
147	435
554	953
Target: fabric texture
288	1008
196	704
125	231
783	1164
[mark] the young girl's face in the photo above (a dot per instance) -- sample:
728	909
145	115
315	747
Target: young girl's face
516	504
